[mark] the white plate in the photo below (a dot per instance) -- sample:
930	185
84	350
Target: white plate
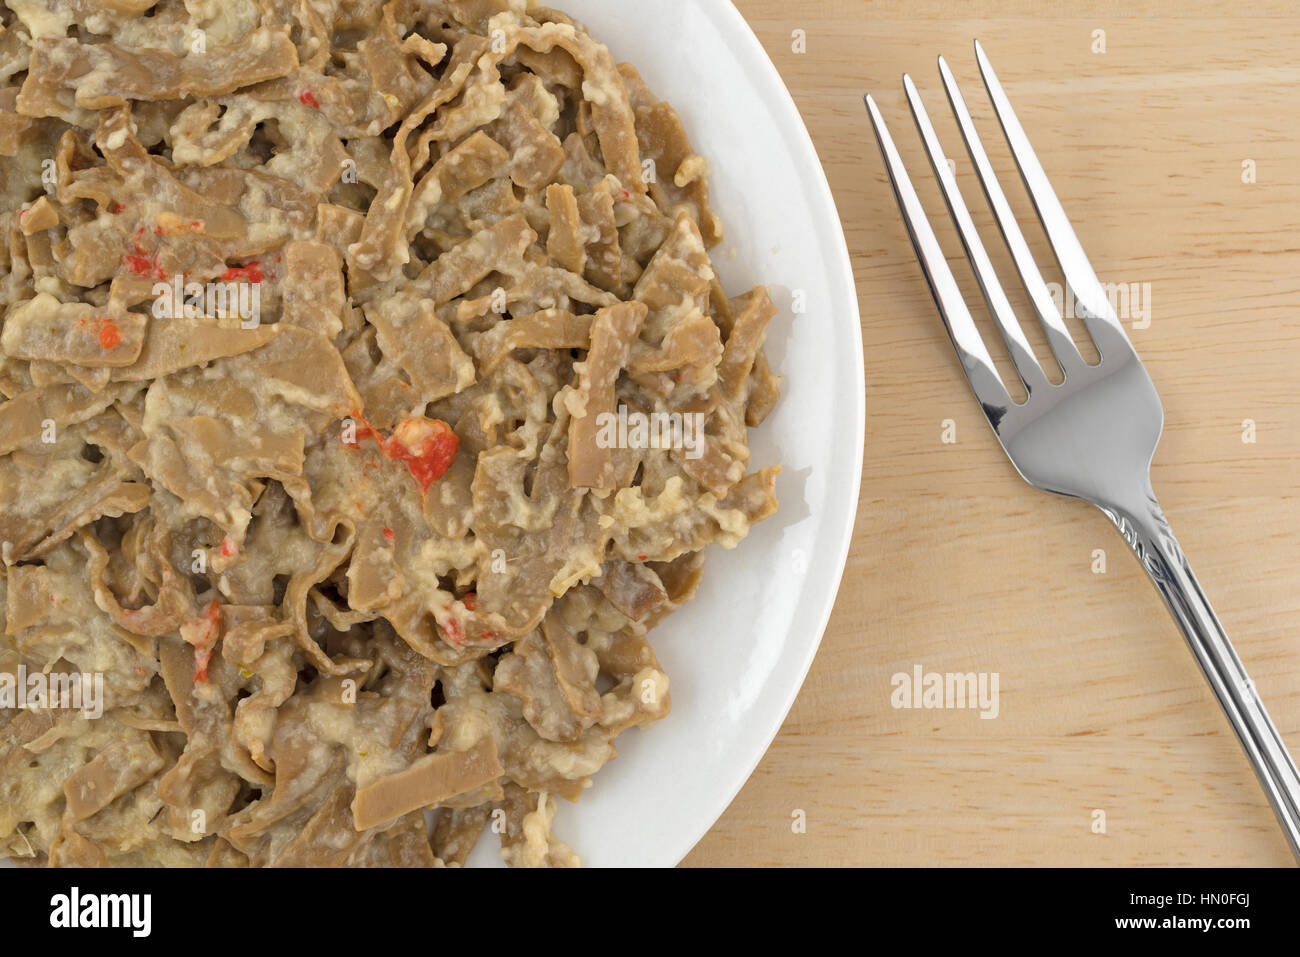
737	655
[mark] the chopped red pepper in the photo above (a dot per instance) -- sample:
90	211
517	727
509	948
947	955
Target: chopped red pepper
470	600
389	534
144	266
306	98
250	273
227	547
110	337
427	446
455	634
205	644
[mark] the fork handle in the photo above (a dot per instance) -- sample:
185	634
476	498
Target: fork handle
1149	534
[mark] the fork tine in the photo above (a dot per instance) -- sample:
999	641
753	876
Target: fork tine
1058	336
1022	354
1079	275
975	359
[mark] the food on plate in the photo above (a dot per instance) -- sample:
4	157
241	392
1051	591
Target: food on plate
367	394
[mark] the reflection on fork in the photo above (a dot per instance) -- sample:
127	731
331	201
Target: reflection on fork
1091	436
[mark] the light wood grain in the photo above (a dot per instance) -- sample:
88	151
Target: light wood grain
958	565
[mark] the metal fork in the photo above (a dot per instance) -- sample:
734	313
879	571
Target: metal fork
1093	435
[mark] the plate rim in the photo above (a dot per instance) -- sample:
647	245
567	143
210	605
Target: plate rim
779	100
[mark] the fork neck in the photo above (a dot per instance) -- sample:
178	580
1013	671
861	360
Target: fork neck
1138	517
1146	530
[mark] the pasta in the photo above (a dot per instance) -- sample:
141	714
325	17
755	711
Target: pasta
317	319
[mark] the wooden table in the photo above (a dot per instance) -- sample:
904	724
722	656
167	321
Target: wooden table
958	565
